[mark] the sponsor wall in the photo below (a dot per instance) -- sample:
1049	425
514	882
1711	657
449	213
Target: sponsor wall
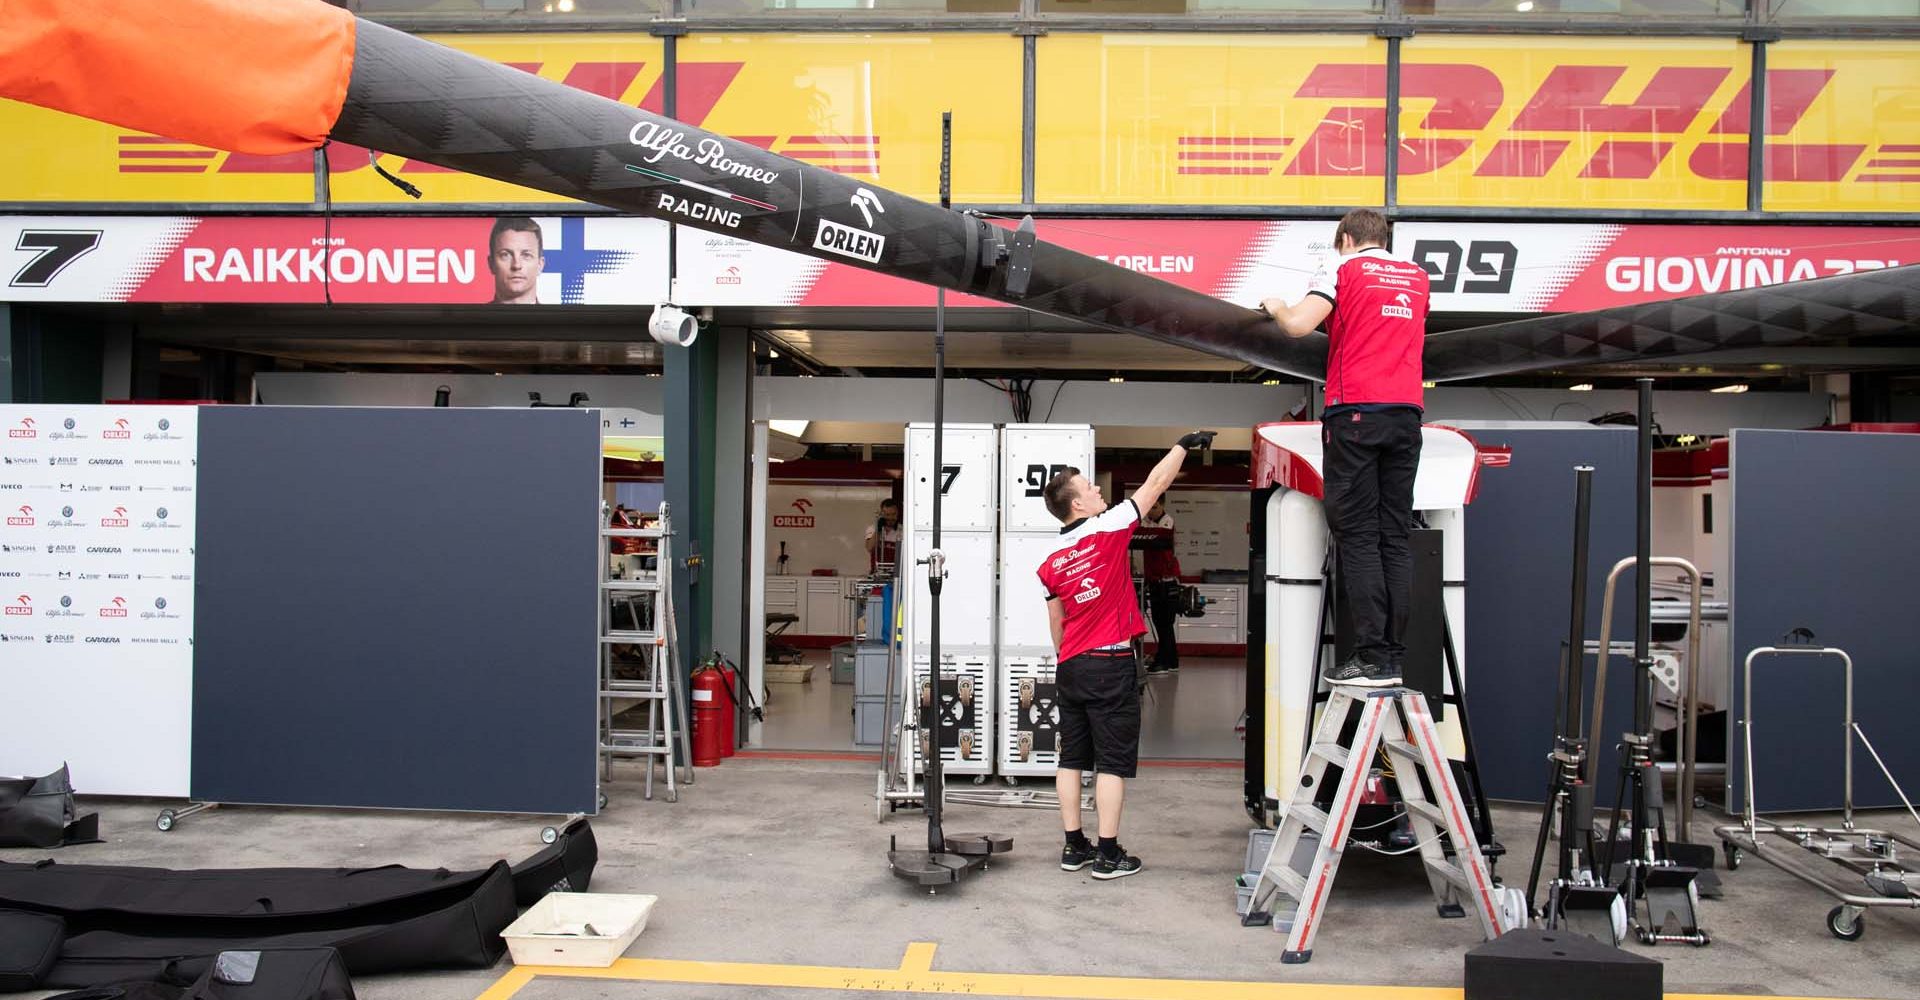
97	585
1476	267
823	525
1159	118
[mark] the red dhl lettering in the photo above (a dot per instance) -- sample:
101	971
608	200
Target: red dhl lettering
1349	139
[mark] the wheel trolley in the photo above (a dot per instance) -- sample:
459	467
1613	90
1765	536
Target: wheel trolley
1871	869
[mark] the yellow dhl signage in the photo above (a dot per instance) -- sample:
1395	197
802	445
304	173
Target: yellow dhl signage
1169	119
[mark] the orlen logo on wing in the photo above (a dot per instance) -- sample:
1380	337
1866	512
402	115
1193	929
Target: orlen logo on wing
118	520
21	606
117	610
25	430
24	519
118	432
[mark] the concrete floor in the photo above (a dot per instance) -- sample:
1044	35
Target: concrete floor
781	861
1188	715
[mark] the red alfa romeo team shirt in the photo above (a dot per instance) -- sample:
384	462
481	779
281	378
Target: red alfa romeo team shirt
1091	575
1377	329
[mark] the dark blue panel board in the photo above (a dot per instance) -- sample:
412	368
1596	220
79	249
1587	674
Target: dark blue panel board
395	608
1824	538
1519	571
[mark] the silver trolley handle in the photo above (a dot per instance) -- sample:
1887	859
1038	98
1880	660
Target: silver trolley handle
1846	732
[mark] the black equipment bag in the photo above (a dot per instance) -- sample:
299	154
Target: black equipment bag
29	944
566	865
39	812
295	974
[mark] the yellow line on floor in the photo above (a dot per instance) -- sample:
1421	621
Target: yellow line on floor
916	975
919	957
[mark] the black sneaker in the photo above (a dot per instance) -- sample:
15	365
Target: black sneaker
1074	857
1106	869
1357	672
1159	668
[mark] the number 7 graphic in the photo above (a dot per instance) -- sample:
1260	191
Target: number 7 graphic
58	248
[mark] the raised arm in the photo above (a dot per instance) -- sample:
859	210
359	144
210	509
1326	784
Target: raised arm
1168	467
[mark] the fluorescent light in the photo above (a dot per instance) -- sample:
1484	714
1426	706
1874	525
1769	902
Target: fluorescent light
1429	385
1523	6
1772	367
1116	378
1582	387
1271	381
791	428
1736	387
566	6
1686	439
771	353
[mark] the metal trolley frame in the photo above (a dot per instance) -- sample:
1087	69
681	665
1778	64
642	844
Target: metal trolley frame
1869	854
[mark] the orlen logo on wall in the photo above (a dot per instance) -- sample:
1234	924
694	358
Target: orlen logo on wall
800	520
120	431
24	519
118	609
21	606
25	430
117	520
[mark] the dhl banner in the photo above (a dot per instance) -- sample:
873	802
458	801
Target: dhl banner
1475	267
508	260
856	104
1499	122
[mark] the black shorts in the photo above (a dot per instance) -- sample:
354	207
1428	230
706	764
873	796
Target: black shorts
1099	713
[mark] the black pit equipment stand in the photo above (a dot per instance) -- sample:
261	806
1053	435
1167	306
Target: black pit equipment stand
1576	901
1660	893
947	857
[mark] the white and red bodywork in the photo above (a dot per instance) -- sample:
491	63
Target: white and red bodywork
1288	456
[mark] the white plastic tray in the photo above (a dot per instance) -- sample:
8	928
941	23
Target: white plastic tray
551	932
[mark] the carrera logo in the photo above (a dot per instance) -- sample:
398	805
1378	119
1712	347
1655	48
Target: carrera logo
793	520
1643	131
118	432
25	430
849	242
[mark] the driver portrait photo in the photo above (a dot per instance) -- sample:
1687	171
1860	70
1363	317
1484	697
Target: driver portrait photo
515	256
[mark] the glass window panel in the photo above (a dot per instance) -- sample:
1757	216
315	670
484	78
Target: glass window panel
504	8
712	8
1843	127
1562	122
1588	8
1786	10
1187	119
867	105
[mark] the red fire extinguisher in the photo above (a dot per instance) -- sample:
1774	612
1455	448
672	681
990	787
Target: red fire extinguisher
712	716
732	681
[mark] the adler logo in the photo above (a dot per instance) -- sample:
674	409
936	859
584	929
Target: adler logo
118	432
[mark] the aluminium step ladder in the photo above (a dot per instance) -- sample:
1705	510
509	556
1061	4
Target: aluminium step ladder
1397	721
648	687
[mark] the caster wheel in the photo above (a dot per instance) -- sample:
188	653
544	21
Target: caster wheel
165	822
1699	802
1734	855
548	835
979	779
1846	922
603	800
1012	782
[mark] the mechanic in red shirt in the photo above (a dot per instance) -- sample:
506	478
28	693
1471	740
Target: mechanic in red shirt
1095	614
1375	308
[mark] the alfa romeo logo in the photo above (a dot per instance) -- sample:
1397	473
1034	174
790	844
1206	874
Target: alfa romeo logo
160	602
166	424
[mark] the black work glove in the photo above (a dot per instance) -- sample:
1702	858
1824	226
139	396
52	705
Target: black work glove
1197	439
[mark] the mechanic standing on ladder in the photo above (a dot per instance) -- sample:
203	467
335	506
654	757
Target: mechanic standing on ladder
1375	308
1095	614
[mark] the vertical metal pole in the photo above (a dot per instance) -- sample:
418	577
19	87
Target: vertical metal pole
1643	564
1575	674
1757	129
936	564
1029	103
1391	140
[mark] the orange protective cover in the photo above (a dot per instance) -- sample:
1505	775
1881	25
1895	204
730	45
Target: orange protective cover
251	76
